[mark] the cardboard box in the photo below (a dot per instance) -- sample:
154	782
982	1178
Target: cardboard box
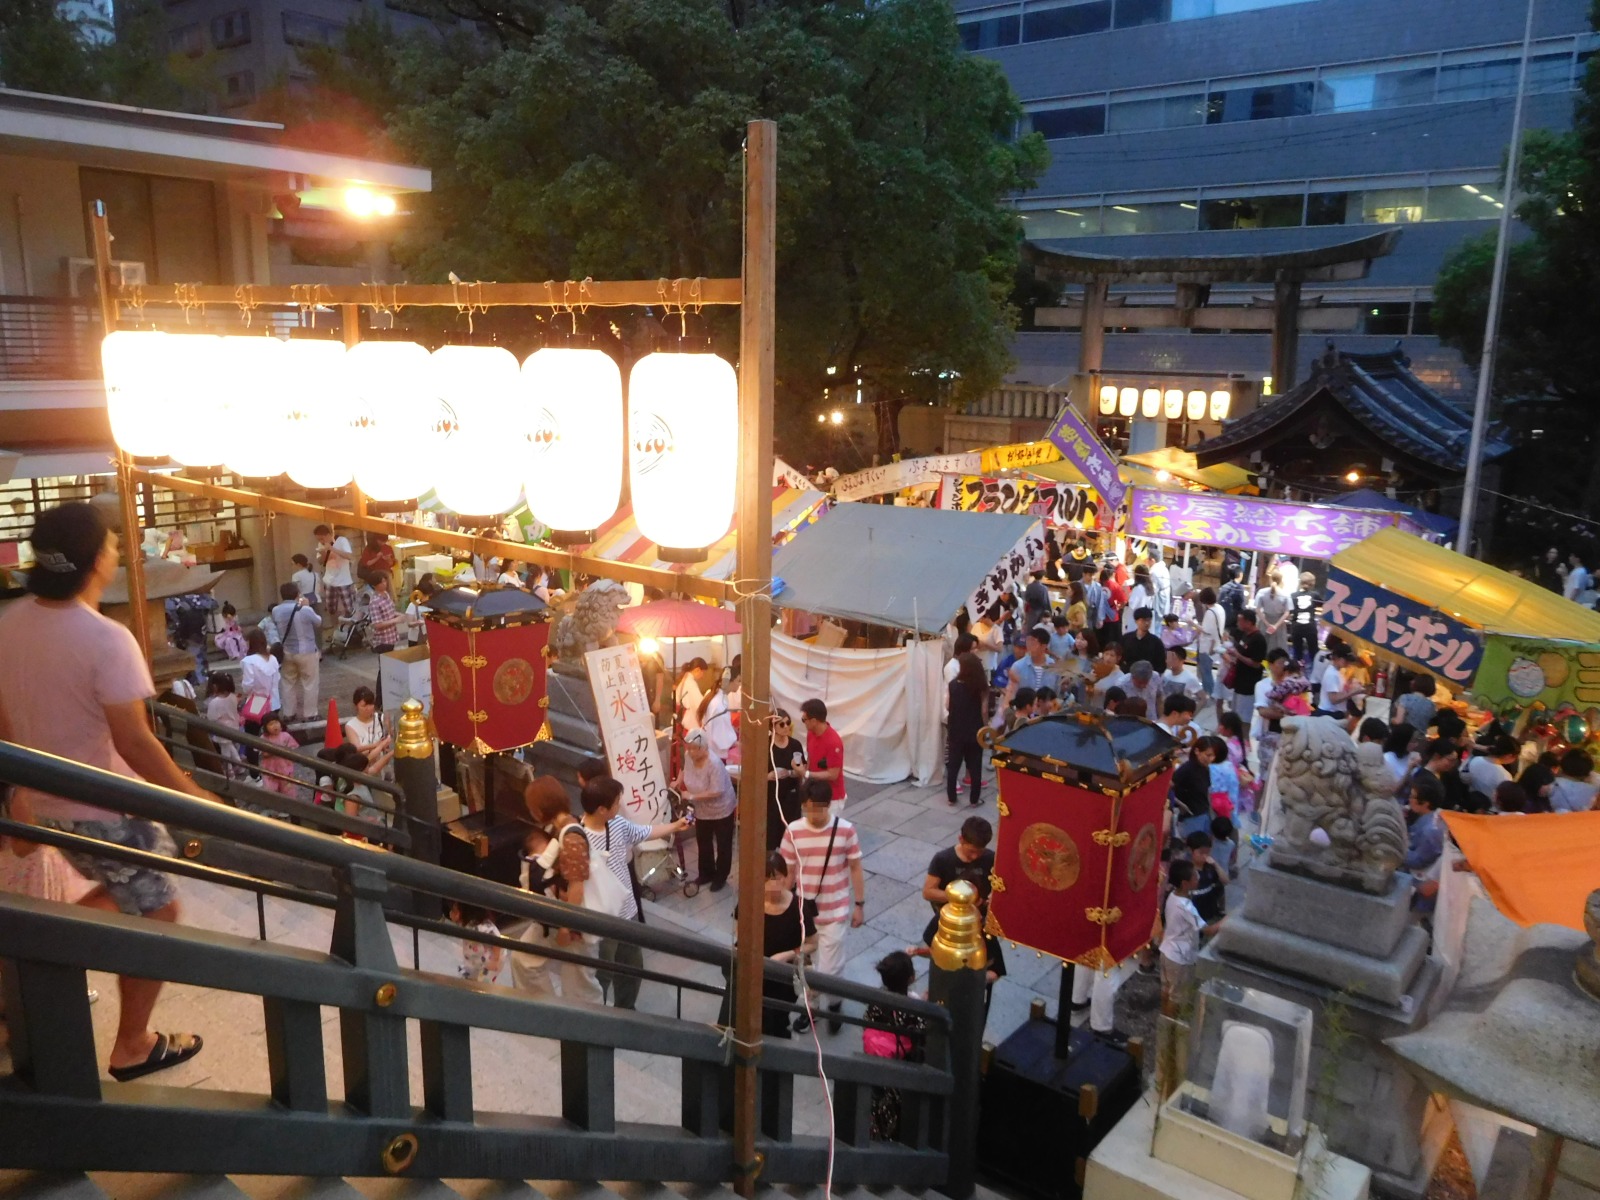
405	674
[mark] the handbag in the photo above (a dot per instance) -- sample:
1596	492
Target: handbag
808	906
602	891
256	707
881	1043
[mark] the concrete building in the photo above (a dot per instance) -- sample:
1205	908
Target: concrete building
1222	127
255	44
190	200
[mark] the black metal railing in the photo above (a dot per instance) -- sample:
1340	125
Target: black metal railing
60	1115
47	337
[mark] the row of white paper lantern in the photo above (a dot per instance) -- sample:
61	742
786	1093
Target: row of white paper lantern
467	421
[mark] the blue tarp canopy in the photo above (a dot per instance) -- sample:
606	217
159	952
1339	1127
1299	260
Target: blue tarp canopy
1368	498
912	568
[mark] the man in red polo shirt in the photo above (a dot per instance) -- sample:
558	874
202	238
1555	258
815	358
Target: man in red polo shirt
824	751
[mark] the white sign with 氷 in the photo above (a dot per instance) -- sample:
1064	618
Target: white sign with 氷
628	730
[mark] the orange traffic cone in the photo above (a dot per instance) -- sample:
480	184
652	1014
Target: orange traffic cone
333	737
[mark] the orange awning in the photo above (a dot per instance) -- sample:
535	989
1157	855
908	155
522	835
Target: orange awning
1538	869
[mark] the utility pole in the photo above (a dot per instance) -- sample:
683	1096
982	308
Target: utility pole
756	336
1491	324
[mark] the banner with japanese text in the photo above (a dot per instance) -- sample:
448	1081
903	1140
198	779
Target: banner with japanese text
1402	627
908	472
629	733
1073	504
1010	574
1251	523
1015	456
1082	447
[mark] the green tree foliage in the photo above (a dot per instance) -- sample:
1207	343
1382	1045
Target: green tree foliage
602	138
45	50
1547	350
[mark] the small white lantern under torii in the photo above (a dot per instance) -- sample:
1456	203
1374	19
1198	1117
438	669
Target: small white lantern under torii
317	420
572	465
135	401
478	472
683	441
398	423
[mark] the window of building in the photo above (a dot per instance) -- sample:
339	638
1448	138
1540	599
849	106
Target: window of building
1463	202
1261	103
1389	318
1252	212
230	29
1498	77
1054	123
1151	218
1356	89
303	29
991	32
168	224
1189	10
1333	208
188	40
239	88
1142	12
1044	224
1393	206
1167	112
1422	318
1072	20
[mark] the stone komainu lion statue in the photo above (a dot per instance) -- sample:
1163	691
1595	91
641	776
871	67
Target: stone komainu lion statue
592	623
1326	782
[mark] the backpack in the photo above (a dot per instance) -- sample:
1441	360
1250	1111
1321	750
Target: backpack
1231	601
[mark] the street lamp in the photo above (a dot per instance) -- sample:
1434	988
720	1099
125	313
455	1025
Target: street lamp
836	417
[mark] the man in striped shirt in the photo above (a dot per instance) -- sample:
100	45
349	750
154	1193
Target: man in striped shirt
824	857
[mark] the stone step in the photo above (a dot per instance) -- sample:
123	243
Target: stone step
382	1188
124	1185
48	1185
493	1189
295	1187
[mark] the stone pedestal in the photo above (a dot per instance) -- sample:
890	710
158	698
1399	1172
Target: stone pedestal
574	726
1361	966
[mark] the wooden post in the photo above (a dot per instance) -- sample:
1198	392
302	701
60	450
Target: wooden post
756	333
132	532
1092	335
957	975
1285	334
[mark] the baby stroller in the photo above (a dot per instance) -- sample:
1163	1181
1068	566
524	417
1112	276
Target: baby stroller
665	858
354	628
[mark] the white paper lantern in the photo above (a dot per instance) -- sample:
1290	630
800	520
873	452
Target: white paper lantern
1108	399
1150	403
1128	401
1221	402
478	470
1197	406
1172	403
399	423
316	428
131	361
255	406
572	462
683	438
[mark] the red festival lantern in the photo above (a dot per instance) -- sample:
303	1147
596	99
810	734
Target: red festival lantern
1077	856
487	654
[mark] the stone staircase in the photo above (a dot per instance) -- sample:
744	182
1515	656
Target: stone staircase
106	1185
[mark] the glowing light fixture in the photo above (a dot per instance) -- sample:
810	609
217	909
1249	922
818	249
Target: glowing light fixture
683	434
195	378
255	409
1128	401
1172	403
836	417
478	470
1150	403
1221	402
135	405
399	423
1197	406
572	465
316	425
365	203
1352	476
1108	399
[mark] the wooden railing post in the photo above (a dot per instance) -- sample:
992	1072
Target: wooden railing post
414	772
373	1042
956	980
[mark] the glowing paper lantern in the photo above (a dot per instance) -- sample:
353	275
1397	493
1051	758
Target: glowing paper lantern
1221	401
399	423
317	421
1172	403
573	465
194	379
255	406
1150	403
683	435
1108	399
1197	406
1128	401
477	472
139	418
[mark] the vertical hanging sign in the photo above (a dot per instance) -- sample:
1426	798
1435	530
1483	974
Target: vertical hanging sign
629	733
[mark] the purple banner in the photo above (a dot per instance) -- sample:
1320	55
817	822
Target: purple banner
1082	447
1251	523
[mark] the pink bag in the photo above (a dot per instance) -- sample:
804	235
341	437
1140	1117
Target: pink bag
256	707
883	1044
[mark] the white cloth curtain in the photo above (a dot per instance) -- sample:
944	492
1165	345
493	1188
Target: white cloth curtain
884	703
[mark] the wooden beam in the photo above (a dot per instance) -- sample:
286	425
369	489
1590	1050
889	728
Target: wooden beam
553	293
484	547
756	375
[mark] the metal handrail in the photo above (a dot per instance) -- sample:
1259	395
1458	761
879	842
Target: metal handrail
90	785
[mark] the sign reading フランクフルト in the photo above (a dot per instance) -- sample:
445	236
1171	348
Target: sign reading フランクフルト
1403	627
1073	504
1252	523
628	730
1082	447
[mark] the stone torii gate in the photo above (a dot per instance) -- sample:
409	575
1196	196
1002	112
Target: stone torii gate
1193	277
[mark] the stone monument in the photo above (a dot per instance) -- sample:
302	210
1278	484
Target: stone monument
589	623
1326	923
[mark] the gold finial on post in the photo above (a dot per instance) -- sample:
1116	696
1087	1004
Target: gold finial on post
959	944
414	738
